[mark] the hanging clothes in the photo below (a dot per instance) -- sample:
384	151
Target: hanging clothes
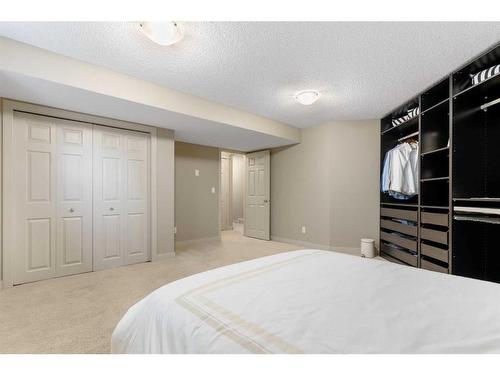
400	171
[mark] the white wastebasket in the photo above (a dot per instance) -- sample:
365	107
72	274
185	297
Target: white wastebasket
367	248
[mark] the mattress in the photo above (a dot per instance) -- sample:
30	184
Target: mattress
313	301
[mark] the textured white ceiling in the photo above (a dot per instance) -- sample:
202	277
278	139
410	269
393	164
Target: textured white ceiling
187	128
363	70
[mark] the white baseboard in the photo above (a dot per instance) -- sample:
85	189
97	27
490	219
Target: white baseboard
306	244
340	249
164	256
356	251
197	240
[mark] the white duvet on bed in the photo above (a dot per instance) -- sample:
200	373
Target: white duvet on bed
313	301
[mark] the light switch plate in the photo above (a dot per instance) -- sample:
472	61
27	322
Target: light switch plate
303	230
175	230
213	190
197	172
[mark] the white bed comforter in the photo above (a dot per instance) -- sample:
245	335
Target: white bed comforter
313	301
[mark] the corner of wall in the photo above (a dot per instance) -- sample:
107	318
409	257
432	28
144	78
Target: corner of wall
197	172
1	192
165	175
329	184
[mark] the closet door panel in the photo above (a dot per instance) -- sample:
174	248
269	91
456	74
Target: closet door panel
72	250
74	193
136	235
110	179
108	195
121	197
39	245
39	172
35	200
137	197
111	237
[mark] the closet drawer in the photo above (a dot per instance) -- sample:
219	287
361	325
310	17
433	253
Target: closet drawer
399	214
398	227
434	252
401	255
400	241
434	235
426	265
391	259
434	218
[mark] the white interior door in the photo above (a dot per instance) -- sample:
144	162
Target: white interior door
225	192
121	197
257	195
52	193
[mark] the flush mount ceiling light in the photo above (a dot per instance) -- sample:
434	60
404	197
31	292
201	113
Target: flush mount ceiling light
307	97
163	33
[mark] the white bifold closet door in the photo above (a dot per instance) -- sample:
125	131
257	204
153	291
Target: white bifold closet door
121	197
53	194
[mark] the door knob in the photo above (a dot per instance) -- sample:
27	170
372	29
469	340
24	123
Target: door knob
266	201
111	209
71	210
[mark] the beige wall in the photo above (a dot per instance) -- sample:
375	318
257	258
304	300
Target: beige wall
300	189
165	188
196	208
238	185
354	187
329	184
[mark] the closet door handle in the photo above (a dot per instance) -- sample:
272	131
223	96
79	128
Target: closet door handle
71	210
111	209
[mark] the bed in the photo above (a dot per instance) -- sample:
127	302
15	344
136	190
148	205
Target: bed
313	301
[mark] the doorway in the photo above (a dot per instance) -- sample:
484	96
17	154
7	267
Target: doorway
232	191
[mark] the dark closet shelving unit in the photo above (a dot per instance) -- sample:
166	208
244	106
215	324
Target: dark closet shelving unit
476	170
453	225
399	219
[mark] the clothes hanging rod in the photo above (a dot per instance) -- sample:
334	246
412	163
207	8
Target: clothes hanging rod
407	136
484	107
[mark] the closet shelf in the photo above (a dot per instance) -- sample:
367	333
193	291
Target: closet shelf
435	151
399	204
484	85
435	106
478	219
401	126
476	199
436	207
434	179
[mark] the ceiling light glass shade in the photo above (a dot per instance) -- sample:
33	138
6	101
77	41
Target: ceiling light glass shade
163	33
307	97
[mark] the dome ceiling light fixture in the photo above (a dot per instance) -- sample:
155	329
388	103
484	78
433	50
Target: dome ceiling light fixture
163	33
307	97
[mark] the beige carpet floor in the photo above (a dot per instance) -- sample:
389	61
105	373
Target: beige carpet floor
77	314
